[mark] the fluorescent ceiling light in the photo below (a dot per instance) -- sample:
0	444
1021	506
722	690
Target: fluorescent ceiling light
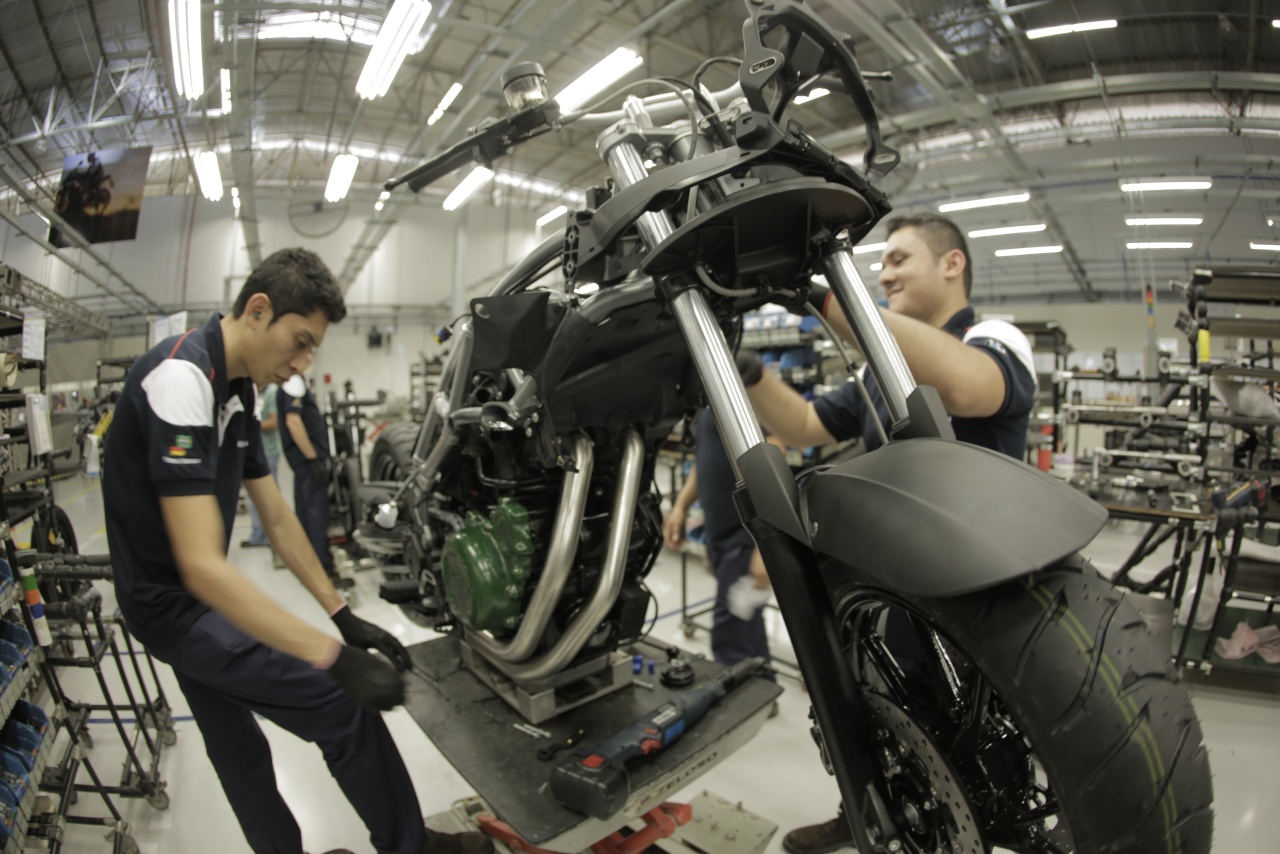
344	169
869	247
814	94
402	24
384	195
1265	247
226	91
601	75
187	47
453	92
552	215
478	178
588	288
1271	222
1045	32
877	267
379	204
988	202
1162	184
1028	250
1165	220
1008	229
209	175
1160	244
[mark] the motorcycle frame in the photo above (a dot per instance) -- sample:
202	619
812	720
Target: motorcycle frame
769	501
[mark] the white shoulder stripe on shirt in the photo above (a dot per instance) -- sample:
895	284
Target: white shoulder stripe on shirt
180	394
1010	336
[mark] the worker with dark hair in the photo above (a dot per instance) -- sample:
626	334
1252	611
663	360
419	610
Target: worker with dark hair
984	372
185	435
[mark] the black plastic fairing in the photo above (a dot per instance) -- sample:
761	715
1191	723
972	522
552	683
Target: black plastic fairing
930	517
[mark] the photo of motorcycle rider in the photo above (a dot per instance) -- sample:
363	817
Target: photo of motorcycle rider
100	195
984	373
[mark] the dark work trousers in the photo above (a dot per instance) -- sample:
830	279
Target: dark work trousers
311	503
227	676
733	640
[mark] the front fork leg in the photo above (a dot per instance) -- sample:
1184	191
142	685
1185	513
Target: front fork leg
841	718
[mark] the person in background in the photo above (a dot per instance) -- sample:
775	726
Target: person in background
306	447
270	425
742	585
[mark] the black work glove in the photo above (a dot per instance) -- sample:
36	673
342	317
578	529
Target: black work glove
815	296
319	469
368	679
750	368
365	635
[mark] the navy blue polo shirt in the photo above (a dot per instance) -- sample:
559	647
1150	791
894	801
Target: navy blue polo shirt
179	428
846	416
312	420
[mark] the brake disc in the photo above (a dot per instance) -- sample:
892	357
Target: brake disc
928	802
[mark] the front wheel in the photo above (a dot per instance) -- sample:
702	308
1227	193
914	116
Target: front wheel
1042	715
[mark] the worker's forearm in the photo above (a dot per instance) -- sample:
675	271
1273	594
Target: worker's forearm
688	492
781	409
290	542
219	585
300	438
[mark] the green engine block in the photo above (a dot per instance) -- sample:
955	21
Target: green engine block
486	566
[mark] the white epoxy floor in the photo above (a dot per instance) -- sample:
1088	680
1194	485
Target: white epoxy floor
777	775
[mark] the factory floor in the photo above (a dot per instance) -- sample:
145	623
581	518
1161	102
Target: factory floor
777	775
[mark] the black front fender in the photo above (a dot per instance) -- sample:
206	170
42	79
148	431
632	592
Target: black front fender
931	517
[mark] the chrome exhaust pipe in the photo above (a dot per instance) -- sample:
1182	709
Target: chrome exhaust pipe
606	593
560	555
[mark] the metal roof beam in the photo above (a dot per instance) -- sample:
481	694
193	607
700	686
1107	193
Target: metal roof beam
904	40
244	57
73	237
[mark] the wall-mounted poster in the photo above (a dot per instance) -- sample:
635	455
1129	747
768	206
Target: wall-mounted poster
101	194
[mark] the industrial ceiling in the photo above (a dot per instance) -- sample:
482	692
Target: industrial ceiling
1173	90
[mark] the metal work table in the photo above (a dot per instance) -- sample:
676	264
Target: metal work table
476	731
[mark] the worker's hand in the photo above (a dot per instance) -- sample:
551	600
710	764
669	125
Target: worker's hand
750	368
673	527
319	469
365	635
368	679
759	575
815	297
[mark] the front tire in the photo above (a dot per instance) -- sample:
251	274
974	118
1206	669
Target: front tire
1052	702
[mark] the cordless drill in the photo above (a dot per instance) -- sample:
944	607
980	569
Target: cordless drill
594	781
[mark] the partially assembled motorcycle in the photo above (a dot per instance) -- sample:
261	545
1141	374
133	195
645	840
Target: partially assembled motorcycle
975	683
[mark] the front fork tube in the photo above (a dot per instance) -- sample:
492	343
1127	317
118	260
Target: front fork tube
841	716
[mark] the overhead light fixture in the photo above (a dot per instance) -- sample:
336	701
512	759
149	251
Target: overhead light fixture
384	195
813	95
187	47
378	205
1008	229
586	289
1028	250
1160	244
448	98
209	175
235	202
1271	222
869	247
1165	220
552	215
479	176
226	91
990	201
877	267
399	28
1045	32
1160	184
1265	247
340	175
601	75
